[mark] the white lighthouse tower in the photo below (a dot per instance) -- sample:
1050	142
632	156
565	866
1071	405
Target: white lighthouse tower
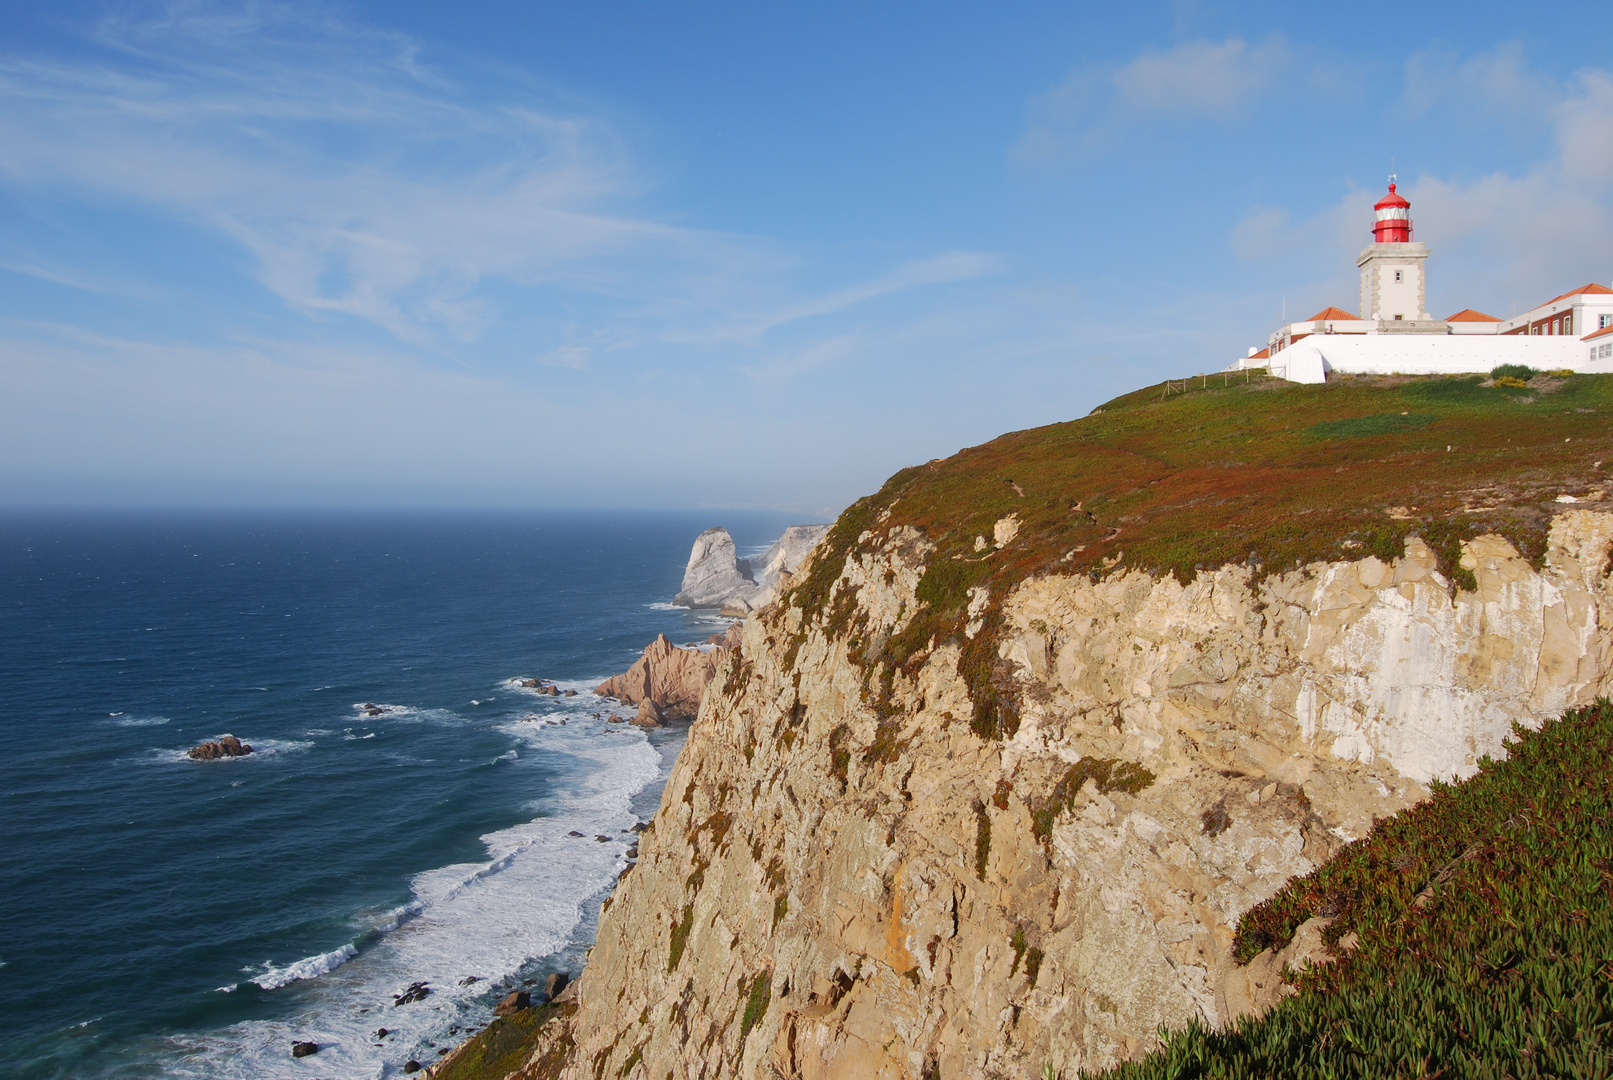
1393	280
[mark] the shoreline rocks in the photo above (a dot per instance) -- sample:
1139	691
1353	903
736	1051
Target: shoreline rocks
226	747
667	681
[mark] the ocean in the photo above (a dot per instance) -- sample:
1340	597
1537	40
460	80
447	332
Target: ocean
411	814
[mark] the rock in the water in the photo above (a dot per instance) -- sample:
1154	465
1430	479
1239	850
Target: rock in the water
382	1033
716	577
715	572
648	714
415	992
513	1003
227	747
411	1066
555	983
303	1049
670	676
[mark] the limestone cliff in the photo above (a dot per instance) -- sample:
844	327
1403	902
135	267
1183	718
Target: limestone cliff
845	878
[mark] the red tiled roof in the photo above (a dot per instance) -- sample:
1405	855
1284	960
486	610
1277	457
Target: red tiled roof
1469	315
1263	354
1603	332
1331	312
1592	289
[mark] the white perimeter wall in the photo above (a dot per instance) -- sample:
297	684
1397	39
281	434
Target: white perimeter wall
1308	360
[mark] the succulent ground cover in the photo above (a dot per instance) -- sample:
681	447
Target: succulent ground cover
1184	476
1482	924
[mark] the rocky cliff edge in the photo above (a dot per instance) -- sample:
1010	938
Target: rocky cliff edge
942	815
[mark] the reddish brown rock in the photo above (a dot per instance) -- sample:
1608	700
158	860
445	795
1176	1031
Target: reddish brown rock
228	746
670	678
648	715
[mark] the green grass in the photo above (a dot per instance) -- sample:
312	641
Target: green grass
1485	925
1361	427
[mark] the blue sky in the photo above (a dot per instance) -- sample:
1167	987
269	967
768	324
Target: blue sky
748	255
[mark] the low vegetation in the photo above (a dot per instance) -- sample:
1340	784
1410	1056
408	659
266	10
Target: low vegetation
505	1048
1482	930
1260	473
1105	774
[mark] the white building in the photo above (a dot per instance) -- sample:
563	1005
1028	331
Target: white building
1395	334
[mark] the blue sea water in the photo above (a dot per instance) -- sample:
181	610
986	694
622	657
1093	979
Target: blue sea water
162	917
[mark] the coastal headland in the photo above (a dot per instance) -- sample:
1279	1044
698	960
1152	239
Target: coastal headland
1045	747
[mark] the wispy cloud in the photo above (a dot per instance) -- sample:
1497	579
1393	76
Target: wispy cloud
360	181
1194	80
752	326
1479	88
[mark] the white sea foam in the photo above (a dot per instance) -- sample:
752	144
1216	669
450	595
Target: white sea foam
140	721
309	967
486	919
665	607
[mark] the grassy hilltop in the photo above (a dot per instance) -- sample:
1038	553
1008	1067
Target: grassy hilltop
1216	470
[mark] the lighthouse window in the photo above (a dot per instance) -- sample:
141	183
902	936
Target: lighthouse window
1399	276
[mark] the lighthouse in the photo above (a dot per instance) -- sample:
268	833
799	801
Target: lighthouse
1393	224
1393	284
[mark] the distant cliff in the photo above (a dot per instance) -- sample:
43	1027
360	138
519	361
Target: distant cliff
717	577
988	788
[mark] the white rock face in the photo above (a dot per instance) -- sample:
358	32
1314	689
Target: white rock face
715	572
717	577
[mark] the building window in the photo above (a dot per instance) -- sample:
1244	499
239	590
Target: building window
1604	322
1399	317
1399	276
1568	323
